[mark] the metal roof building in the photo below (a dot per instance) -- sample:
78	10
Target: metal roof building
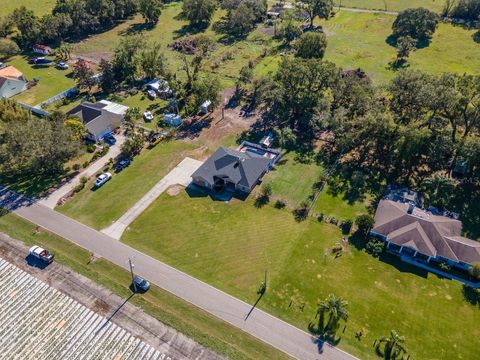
40	322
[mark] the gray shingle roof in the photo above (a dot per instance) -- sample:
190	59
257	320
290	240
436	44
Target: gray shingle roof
96	119
432	235
241	168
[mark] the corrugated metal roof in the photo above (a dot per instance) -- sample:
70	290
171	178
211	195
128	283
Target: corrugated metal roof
39	322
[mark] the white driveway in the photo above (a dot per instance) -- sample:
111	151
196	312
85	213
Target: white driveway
180	175
52	199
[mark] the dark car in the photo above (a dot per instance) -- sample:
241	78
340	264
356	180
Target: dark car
122	164
140	284
110	139
43	62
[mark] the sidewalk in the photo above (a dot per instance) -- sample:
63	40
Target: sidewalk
179	175
52	199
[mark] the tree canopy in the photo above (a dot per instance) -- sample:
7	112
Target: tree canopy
419	24
199	12
311	45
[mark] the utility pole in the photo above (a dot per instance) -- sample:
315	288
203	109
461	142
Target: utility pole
132	265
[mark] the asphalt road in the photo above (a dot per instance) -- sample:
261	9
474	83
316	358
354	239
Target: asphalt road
260	324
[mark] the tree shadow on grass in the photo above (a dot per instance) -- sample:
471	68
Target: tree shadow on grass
322	334
421	43
471	295
228	37
189	29
31	185
136	28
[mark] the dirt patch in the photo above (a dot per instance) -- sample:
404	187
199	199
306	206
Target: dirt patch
232	120
101	307
174	190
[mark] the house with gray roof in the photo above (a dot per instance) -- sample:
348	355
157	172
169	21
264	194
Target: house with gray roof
99	118
423	236
234	170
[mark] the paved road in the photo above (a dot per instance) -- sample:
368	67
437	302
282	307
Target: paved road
52	199
181	175
260	324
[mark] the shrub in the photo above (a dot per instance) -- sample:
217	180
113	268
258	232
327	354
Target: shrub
67	169
333	221
280	204
476	36
321	217
301	212
475	271
267	190
346	226
91	148
83	180
78	188
77	167
364	222
375	247
85	164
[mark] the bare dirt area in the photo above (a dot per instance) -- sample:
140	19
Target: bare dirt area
222	123
174	190
103	302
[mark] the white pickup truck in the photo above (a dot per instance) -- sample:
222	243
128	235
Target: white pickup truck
41	254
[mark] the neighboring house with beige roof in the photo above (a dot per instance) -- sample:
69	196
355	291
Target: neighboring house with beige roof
423	236
12	82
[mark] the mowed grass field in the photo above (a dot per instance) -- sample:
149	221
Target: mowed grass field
40	7
230	245
167	308
225	61
392	5
358	40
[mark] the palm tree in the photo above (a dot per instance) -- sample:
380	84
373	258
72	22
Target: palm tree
392	346
336	308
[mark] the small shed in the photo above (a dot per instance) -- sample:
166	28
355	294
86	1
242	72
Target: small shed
205	107
172	119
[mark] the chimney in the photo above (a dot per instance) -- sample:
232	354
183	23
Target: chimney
410	208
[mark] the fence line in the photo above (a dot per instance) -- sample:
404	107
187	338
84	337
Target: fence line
34	109
63	94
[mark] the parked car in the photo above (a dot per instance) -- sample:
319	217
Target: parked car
141	284
61	66
102	179
110	139
34	60
122	164
43	62
41	254
151	94
2	65
148	116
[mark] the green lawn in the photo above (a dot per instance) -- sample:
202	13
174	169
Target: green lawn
52	81
167	308
337	206
359	40
40	7
102	207
291	180
229	245
392	5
